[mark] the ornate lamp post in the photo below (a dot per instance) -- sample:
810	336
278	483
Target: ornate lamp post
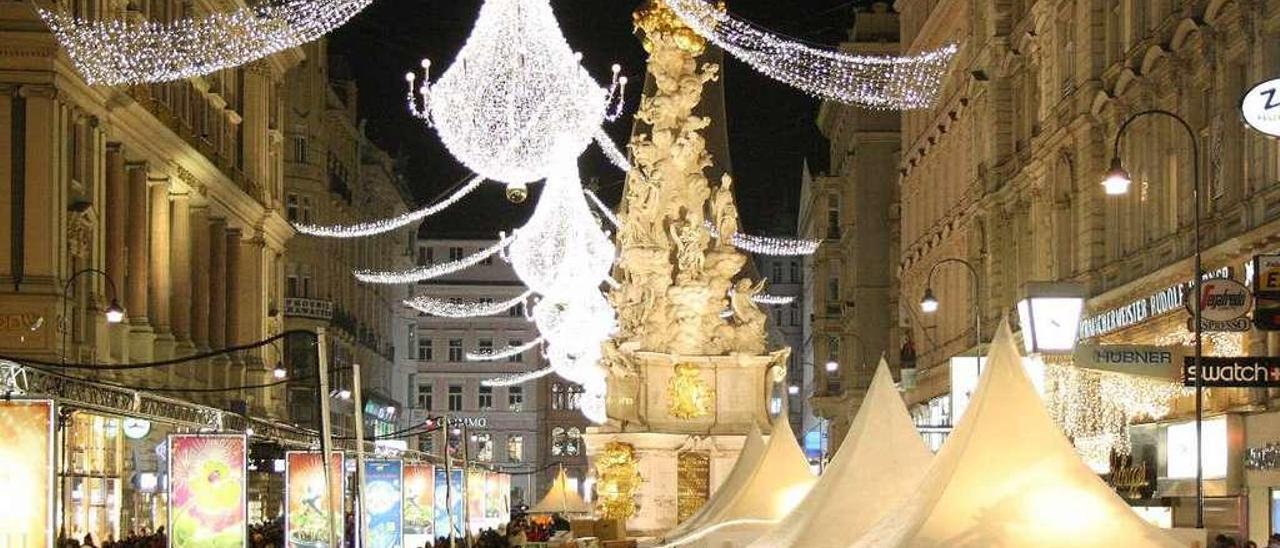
929	303
1117	182
114	312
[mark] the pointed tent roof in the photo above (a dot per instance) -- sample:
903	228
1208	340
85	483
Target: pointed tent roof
777	482
748	458
561	499
1007	477
881	461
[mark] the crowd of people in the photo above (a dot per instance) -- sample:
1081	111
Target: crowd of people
135	539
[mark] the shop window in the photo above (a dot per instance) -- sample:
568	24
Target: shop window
484	447
515	448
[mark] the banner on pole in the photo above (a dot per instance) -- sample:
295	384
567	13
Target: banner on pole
306	514
207	490
450	502
384	503
419	505
26	473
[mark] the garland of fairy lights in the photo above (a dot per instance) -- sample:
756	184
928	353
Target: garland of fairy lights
372	228
874	81
502	353
118	52
765	245
463	309
423	273
611	150
604	210
773	300
519	378
516	100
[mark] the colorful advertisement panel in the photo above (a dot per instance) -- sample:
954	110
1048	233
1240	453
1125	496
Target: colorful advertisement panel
475	500
384	503
306	515
207	490
26	473
419	504
452	493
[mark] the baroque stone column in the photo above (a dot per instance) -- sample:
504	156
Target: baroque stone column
161	286
137	304
180	265
117	231
217	293
200	265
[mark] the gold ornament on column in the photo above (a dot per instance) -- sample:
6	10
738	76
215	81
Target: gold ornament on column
617	479
690	396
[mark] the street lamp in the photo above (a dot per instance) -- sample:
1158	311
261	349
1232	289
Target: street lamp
1117	182
114	312
1050	316
793	390
929	303
832	366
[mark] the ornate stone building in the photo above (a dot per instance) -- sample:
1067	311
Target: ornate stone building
1005	173
850	287
174	191
333	174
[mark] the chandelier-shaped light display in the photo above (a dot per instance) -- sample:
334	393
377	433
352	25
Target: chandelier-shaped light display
874	81
116	52
516	100
562	249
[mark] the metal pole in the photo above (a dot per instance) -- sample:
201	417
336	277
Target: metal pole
326	432
1198	283
977	305
466	486
448	478
363	521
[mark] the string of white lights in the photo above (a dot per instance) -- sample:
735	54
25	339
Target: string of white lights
516	100
562	249
604	209
423	273
611	150
520	378
502	353
874	81
464	309
767	299
371	228
116	52
767	245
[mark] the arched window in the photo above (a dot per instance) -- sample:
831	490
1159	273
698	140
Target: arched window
557	396
558	440
573	445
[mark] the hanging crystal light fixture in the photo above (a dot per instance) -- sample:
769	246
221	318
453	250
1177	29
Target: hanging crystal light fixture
516	100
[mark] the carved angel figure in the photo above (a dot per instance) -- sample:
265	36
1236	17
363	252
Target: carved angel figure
745	309
723	209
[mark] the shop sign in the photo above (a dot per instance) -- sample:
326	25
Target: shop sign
1266	457
1130	479
1142	360
1260	107
1138	311
1221	300
469	422
136	429
1266	283
1239	372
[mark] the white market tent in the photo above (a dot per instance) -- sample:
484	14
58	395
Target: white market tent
756	498
880	462
561	499
1007	477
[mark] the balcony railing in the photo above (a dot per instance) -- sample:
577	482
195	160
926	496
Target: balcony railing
309	308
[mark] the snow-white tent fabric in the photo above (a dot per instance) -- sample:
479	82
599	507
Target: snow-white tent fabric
778	481
1007	477
561	499
748	458
881	461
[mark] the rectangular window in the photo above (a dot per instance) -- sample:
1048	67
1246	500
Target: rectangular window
424	396
487	261
291	207
484	346
306	287
486	397
776	273
455	253
306	209
515	358
833	217
484	447
425	350
515	448
291	287
455	397
795	272
515	398
455	350
833	295
422	256
516	311
299	148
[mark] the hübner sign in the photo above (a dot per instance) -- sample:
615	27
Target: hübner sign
1136	312
1148	361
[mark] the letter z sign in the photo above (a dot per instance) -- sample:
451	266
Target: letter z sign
1260	107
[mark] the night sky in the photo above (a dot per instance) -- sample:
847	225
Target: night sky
771	126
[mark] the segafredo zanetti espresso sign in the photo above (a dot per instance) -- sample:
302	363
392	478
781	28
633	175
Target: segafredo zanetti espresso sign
1239	372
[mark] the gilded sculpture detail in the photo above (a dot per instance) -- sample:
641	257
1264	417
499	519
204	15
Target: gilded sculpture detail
689	394
617	480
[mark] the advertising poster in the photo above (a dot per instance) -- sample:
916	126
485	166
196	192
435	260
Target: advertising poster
475	500
504	511
419	504
306	512
493	499
452	493
26	473
384	503
207	490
